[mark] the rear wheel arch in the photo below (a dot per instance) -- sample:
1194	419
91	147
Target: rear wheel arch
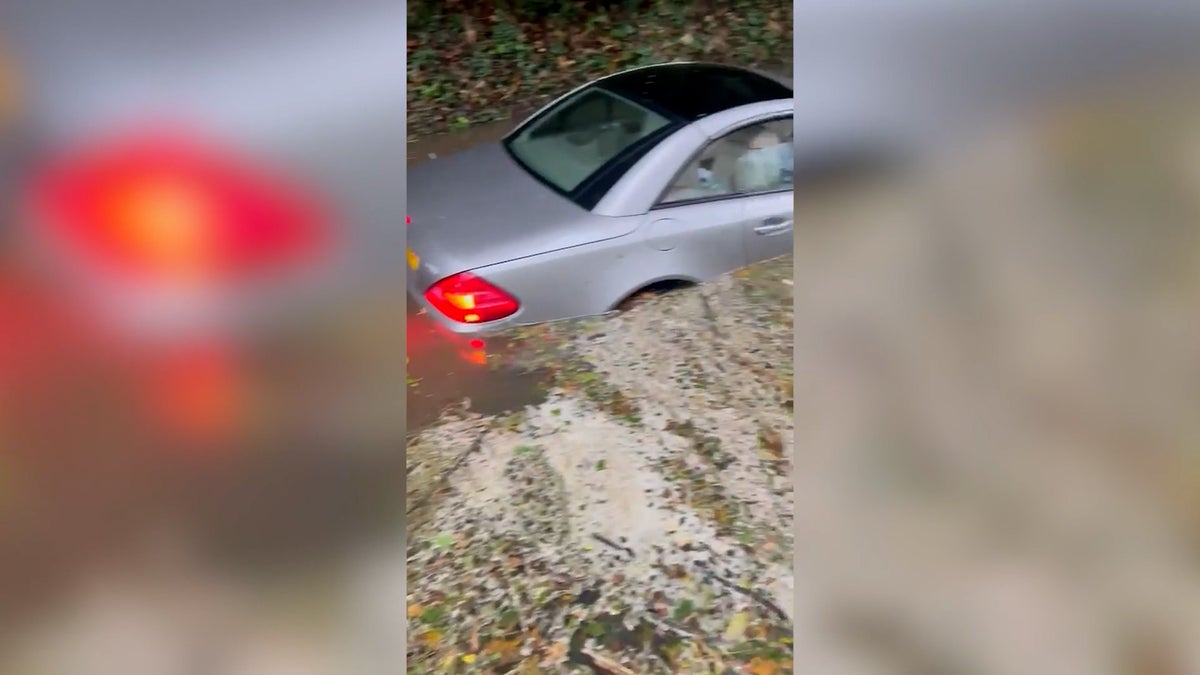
657	286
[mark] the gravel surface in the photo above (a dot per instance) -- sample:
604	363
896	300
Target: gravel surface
639	520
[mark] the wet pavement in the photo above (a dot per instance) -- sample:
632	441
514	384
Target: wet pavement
446	371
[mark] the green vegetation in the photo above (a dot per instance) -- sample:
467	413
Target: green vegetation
474	62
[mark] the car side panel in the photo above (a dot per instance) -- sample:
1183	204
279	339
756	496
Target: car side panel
591	279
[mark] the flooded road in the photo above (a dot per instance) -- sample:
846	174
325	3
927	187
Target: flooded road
446	371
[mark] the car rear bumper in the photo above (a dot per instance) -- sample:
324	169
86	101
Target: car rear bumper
453	329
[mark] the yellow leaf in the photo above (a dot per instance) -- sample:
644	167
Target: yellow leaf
737	626
431	638
414	611
468	658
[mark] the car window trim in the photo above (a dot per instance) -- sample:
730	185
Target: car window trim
658	201
594	188
721	198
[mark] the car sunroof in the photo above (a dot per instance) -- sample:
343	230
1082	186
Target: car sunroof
689	91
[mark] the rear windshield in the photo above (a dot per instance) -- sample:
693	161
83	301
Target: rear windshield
580	135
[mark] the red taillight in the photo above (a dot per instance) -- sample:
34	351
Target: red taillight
166	208
408	220
466	298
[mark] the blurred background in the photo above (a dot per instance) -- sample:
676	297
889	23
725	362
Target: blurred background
201	332
996	376
200	323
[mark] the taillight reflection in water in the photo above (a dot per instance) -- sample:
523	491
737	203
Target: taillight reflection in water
446	370
164	237
198	394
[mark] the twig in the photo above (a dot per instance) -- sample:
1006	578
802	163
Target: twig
445	477
758	597
606	663
672	626
609	542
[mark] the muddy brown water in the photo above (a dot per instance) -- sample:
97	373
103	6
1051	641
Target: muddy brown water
442	373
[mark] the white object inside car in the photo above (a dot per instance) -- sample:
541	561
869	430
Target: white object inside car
761	166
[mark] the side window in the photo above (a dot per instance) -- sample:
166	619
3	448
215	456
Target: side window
750	160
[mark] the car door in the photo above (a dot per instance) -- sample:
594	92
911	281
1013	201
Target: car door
762	175
735	193
766	225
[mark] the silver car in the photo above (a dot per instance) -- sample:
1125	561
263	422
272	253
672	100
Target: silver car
657	175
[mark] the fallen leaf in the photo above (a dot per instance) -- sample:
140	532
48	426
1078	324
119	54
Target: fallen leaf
502	648
414	611
761	666
770	442
468	658
737	626
431	638
556	652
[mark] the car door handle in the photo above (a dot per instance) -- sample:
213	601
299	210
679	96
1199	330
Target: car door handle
773	226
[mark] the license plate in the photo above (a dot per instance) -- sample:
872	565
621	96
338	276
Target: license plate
414	260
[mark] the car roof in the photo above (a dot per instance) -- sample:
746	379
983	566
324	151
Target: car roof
690	91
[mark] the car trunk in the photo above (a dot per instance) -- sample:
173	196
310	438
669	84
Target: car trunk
479	207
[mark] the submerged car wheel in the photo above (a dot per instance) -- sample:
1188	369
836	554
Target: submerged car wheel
651	291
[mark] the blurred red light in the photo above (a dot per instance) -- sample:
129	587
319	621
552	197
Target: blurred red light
164	207
197	394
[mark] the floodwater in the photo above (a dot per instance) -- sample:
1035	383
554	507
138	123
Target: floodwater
445	371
